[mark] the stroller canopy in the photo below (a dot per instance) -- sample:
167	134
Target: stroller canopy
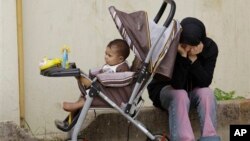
141	35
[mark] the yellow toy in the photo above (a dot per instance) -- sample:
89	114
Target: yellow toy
47	63
63	62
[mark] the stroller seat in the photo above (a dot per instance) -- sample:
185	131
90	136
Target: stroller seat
116	86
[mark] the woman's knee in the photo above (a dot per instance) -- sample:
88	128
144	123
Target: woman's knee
203	90
204	95
181	96
178	95
175	96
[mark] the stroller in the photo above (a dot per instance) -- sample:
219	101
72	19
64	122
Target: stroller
155	48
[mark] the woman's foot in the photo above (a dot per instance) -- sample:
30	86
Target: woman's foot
72	107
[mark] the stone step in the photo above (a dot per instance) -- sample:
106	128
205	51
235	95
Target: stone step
111	126
106	124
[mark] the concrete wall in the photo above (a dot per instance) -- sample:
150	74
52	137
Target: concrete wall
9	92
87	27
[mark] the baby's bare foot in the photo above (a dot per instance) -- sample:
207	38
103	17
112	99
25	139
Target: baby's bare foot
72	107
69	106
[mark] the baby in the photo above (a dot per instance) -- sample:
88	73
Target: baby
115	57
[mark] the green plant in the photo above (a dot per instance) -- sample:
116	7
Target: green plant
222	95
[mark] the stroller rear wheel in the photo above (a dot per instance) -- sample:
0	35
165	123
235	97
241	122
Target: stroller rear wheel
159	137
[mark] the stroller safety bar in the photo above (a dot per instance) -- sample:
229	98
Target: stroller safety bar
162	9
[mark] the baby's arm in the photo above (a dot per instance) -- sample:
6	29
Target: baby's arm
85	82
93	72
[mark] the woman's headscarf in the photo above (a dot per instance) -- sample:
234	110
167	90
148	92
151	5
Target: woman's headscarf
193	31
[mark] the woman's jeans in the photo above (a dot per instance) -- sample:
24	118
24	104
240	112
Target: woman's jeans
178	101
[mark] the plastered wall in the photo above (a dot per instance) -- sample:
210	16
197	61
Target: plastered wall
9	91
86	26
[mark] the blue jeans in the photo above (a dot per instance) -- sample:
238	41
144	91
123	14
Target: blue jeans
178	102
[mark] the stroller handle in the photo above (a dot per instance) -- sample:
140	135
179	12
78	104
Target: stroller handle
162	9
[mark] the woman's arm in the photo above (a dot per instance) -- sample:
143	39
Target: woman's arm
202	72
180	73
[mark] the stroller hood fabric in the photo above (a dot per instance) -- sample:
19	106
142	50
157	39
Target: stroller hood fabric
141	35
134	29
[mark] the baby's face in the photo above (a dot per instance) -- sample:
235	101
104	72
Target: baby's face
112	57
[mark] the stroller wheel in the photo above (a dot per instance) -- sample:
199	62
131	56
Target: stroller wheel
159	137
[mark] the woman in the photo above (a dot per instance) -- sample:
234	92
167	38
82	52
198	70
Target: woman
189	86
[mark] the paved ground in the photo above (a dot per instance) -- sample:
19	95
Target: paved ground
9	131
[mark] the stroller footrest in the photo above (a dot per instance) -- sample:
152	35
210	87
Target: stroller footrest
67	124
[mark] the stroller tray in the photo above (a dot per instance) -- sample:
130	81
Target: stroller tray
61	72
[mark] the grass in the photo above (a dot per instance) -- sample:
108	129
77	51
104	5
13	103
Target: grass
222	95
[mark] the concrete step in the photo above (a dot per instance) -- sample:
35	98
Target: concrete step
106	124
111	126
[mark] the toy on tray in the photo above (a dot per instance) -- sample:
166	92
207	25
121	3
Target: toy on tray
59	62
59	67
48	63
65	51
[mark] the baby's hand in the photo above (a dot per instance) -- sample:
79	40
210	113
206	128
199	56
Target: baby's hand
77	77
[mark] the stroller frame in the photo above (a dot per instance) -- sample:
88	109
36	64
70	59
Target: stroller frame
146	73
137	91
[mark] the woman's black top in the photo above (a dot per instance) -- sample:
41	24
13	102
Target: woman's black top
187	75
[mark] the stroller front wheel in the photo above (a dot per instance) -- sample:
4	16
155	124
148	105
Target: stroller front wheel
159	137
